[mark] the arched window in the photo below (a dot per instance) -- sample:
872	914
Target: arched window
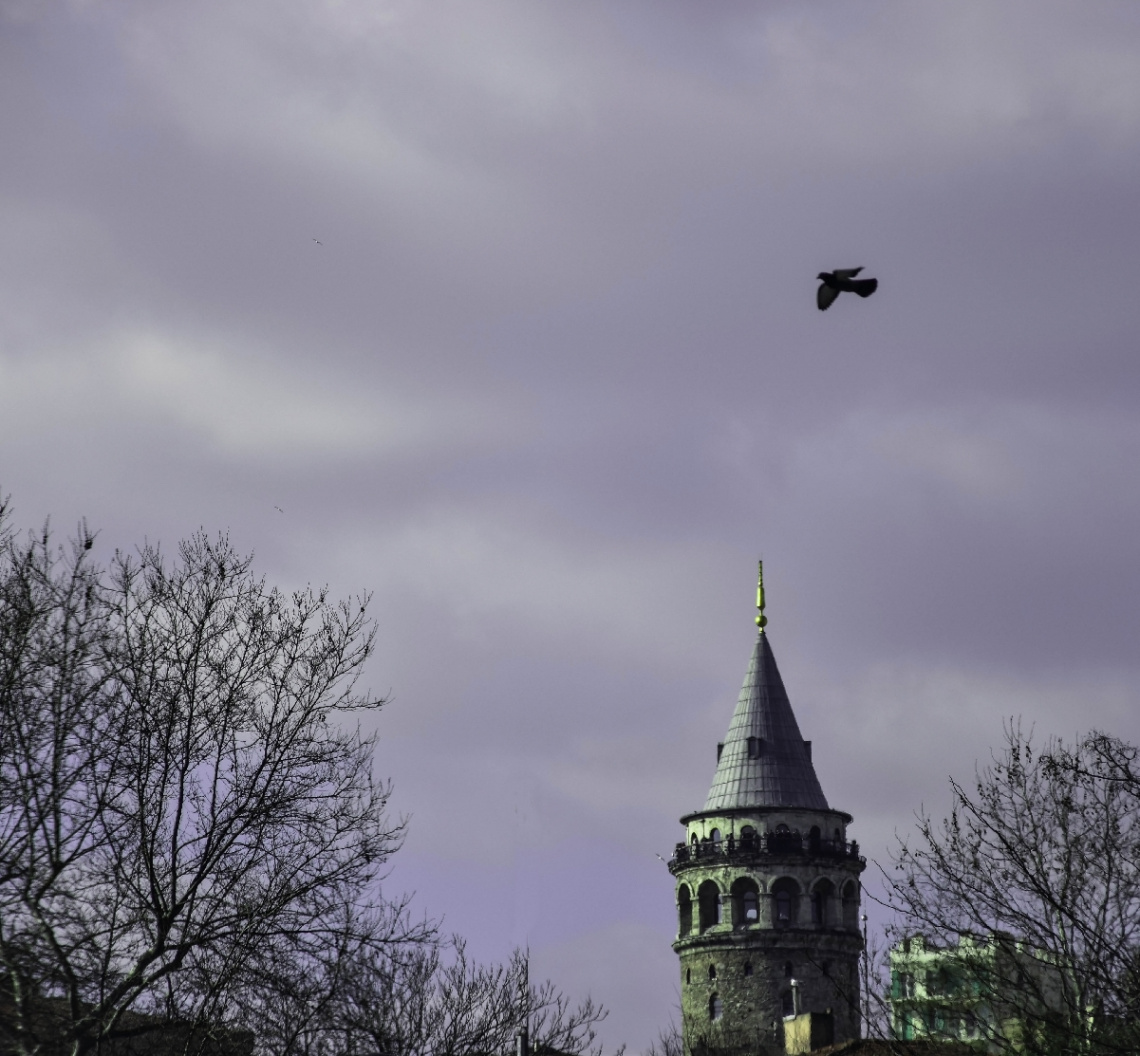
715	837
685	905
712	971
788	970
708	898
783	840
821	898
745	902
814	839
785	894
787	1003
851	906
716	1009
748	838
747	967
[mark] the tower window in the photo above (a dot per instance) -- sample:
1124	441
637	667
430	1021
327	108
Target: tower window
688	976
785	895
755	747
712	971
747	967
751	908
826	969
708	899
787	1003
685	905
788	972
716	1008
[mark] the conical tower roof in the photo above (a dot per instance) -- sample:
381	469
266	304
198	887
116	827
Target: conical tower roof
775	770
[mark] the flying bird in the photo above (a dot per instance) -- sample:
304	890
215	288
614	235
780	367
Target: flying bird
318	241
833	283
278	509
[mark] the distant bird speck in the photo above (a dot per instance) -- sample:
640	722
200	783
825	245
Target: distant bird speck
318	241
833	283
278	509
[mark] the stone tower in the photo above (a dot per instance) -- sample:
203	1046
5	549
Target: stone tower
767	885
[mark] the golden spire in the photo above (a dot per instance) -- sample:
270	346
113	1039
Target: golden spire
761	619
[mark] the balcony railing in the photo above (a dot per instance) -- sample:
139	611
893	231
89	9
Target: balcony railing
753	845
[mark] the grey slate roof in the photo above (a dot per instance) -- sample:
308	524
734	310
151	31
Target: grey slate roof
782	775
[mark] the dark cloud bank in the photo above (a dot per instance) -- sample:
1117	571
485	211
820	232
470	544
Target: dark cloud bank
555	379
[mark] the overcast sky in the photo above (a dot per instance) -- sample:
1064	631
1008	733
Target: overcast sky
554	378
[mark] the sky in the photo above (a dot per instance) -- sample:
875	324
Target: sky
505	312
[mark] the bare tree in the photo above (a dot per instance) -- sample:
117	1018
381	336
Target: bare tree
1038	868
669	1042
182	804
435	1001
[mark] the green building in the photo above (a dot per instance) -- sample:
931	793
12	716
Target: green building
767	885
992	992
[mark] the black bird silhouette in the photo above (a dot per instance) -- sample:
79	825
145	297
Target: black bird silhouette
833	283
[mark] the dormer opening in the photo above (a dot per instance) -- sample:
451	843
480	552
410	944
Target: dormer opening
755	747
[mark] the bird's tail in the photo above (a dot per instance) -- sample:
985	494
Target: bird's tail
864	287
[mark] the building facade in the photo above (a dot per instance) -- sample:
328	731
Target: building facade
993	992
767	884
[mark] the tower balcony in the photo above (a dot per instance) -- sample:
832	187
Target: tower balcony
757	847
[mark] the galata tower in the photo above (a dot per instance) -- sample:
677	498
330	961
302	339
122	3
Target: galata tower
767	885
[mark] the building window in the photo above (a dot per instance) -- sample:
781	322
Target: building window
747	967
716	1009
788	971
787	1003
708	897
755	747
712	971
751	907
820	901
685	904
715	834
826	969
688	976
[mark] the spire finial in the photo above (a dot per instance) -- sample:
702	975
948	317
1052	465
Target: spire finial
761	619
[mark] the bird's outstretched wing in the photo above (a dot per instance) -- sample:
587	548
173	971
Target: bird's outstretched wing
825	296
846	273
865	287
